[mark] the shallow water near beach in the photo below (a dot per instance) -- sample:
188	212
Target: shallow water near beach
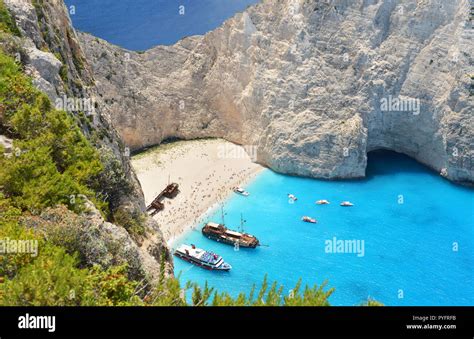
417	229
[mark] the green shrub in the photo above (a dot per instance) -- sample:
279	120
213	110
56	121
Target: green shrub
7	23
53	279
110	288
372	302
170	293
133	222
63	73
61	227
53	162
113	179
10	264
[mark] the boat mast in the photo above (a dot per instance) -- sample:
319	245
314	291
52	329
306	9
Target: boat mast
241	223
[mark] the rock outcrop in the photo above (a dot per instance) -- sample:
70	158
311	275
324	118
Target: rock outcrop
314	85
52	55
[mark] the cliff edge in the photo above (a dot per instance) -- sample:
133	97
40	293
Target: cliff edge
312	85
50	52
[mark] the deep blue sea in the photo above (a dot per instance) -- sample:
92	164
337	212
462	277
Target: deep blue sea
409	218
141	24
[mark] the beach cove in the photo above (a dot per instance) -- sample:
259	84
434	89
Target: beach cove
417	228
206	170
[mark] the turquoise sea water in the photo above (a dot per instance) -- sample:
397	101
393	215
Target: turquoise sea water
408	246
141	24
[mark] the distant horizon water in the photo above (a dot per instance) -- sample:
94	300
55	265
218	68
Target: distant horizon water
412	233
142	24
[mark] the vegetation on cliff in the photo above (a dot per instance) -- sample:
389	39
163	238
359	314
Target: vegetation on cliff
52	162
7	24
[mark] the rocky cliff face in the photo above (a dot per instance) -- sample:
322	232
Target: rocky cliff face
314	85
51	53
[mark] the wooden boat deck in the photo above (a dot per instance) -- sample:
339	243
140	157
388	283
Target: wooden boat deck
170	192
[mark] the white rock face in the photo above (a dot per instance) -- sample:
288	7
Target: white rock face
315	85
44	68
46	63
6	143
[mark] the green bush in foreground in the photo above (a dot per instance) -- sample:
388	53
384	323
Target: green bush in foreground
53	279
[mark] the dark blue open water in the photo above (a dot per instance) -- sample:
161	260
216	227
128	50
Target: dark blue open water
141	24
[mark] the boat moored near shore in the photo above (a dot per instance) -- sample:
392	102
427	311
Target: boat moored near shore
241	191
199	257
220	233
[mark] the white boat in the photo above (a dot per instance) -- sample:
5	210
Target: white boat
346	204
322	202
241	191
309	219
292	197
202	258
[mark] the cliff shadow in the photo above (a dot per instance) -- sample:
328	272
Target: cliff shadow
388	162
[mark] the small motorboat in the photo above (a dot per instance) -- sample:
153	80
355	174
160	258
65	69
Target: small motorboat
292	197
309	219
322	202
346	204
241	191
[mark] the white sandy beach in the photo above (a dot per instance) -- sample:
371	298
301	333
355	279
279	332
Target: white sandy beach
206	171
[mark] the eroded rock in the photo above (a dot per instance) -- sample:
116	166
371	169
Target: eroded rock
304	81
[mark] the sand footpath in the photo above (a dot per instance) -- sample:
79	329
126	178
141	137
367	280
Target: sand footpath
206	171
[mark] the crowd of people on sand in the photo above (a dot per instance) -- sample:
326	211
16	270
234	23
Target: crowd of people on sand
189	208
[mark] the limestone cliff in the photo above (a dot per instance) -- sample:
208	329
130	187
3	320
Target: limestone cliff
314	84
51	53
